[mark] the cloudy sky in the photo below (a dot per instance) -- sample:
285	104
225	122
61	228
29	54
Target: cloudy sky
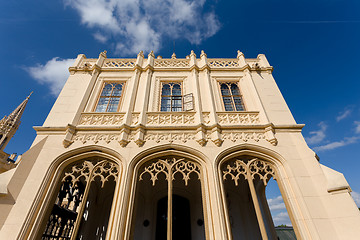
313	46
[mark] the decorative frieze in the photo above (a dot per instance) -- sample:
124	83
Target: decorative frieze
96	137
243	136
170	137
119	63
101	119
223	63
206	117
171	118
171	63
240	118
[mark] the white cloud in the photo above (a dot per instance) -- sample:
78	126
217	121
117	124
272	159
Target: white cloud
142	24
100	37
282	218
317	136
356	197
276	203
343	115
357	128
54	73
333	145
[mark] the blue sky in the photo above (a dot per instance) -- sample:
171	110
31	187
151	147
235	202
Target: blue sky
313	46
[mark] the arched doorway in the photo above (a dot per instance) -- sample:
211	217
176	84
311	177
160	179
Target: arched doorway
168	200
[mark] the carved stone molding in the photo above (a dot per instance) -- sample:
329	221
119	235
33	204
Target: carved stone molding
119	63
171	63
98	119
135	118
96	137
223	63
170	137
243	136
206	117
170	118
240	118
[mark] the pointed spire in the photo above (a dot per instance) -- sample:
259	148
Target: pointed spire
13	120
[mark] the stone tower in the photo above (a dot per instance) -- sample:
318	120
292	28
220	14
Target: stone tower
155	148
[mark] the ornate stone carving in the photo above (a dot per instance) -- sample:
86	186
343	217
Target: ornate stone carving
170	118
238	168
239	118
101	119
170	137
170	167
223	63
206	117
119	63
171	63
135	118
96	137
243	136
87	64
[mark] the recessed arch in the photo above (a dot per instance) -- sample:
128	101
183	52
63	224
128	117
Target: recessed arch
267	156
50	185
162	152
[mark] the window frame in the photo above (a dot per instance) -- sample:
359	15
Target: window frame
104	83
162	83
219	84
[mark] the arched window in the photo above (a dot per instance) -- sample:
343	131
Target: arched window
83	203
231	97
168	201
171	97
248	214
110	97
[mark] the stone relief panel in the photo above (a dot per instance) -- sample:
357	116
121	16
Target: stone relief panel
98	119
241	118
171	63
170	119
223	63
119	63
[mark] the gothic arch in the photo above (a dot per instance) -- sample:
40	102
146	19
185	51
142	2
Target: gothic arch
161	152
46	193
267	157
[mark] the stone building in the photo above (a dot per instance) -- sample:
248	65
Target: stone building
153	148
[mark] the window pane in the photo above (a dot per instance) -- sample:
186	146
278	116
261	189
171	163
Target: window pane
235	89
238	104
228	104
165	104
107	90
225	90
114	102
176	90
176	101
101	107
117	90
166	90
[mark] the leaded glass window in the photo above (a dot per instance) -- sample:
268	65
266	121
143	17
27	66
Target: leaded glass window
231	97
171	97
110	97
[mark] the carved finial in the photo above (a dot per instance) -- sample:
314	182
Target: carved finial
159	57
141	53
203	54
151	54
192	54
173	56
239	54
103	53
